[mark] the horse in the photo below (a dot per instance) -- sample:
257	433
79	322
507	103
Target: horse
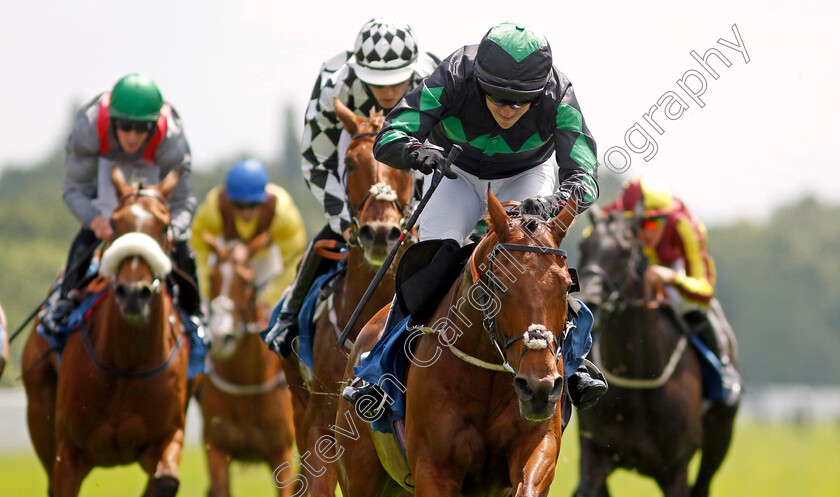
4	341
246	406
652	418
473	425
119	394
378	199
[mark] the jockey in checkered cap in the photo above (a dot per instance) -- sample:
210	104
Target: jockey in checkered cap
385	64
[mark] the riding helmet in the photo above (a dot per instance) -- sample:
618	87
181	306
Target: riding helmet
513	62
246	181
136	98
385	53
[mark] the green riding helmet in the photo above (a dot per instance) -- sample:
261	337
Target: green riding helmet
136	98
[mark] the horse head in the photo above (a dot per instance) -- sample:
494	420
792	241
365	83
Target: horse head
137	257
377	195
611	261
525	281
233	292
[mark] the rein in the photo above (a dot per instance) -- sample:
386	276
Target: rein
126	373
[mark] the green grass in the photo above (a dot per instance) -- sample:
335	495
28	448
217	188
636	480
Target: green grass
766	460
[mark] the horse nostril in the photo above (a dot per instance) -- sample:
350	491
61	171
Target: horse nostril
366	235
394	235
523	389
145	293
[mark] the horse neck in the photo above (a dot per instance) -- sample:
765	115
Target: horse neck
639	338
356	281
249	363
125	344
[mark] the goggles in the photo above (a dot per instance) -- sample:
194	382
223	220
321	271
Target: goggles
243	205
138	126
651	223
500	102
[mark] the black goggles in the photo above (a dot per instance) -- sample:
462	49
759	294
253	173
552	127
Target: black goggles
242	205
513	104
138	126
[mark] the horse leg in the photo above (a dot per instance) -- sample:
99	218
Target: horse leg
40	382
300	396
437	480
281	468
532	462
595	466
218	465
320	440
68	472
161	464
360	472
718	423
674	481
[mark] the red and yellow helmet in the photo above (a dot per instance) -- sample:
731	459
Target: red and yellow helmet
653	193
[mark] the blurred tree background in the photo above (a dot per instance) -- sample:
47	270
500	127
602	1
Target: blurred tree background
777	280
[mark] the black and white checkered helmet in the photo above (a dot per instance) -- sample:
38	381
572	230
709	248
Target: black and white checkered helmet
385	53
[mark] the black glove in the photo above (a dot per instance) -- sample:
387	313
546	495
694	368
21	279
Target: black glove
545	207
428	158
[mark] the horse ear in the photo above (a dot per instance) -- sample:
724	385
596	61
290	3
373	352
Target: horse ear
258	243
563	221
168	184
121	187
346	116
498	219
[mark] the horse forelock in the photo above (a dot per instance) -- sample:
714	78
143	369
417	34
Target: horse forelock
135	244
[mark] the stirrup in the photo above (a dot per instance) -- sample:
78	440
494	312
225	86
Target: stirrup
352	394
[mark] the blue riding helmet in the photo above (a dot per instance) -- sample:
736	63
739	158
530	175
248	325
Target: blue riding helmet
246	181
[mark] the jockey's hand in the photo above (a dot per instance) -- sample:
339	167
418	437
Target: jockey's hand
102	228
428	158
545	207
656	277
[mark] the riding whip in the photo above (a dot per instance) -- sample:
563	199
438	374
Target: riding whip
436	178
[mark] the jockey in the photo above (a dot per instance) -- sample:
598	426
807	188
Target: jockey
510	110
385	63
675	244
132	128
245	207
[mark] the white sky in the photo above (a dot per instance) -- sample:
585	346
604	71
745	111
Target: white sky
768	132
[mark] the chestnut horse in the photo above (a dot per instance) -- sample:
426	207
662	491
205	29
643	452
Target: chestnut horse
120	393
483	417
652	419
246	408
378	198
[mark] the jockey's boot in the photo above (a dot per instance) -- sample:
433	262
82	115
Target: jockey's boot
368	399
701	324
188	300
281	336
78	260
586	388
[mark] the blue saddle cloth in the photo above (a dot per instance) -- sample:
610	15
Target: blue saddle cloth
386	362
710	369
306	325
78	318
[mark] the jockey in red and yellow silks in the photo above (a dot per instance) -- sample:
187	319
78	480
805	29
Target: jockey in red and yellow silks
680	265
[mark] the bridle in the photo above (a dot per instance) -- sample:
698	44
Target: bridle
536	337
379	191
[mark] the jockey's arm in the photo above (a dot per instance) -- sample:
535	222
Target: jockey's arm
206	220
288	232
575	150
697	283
